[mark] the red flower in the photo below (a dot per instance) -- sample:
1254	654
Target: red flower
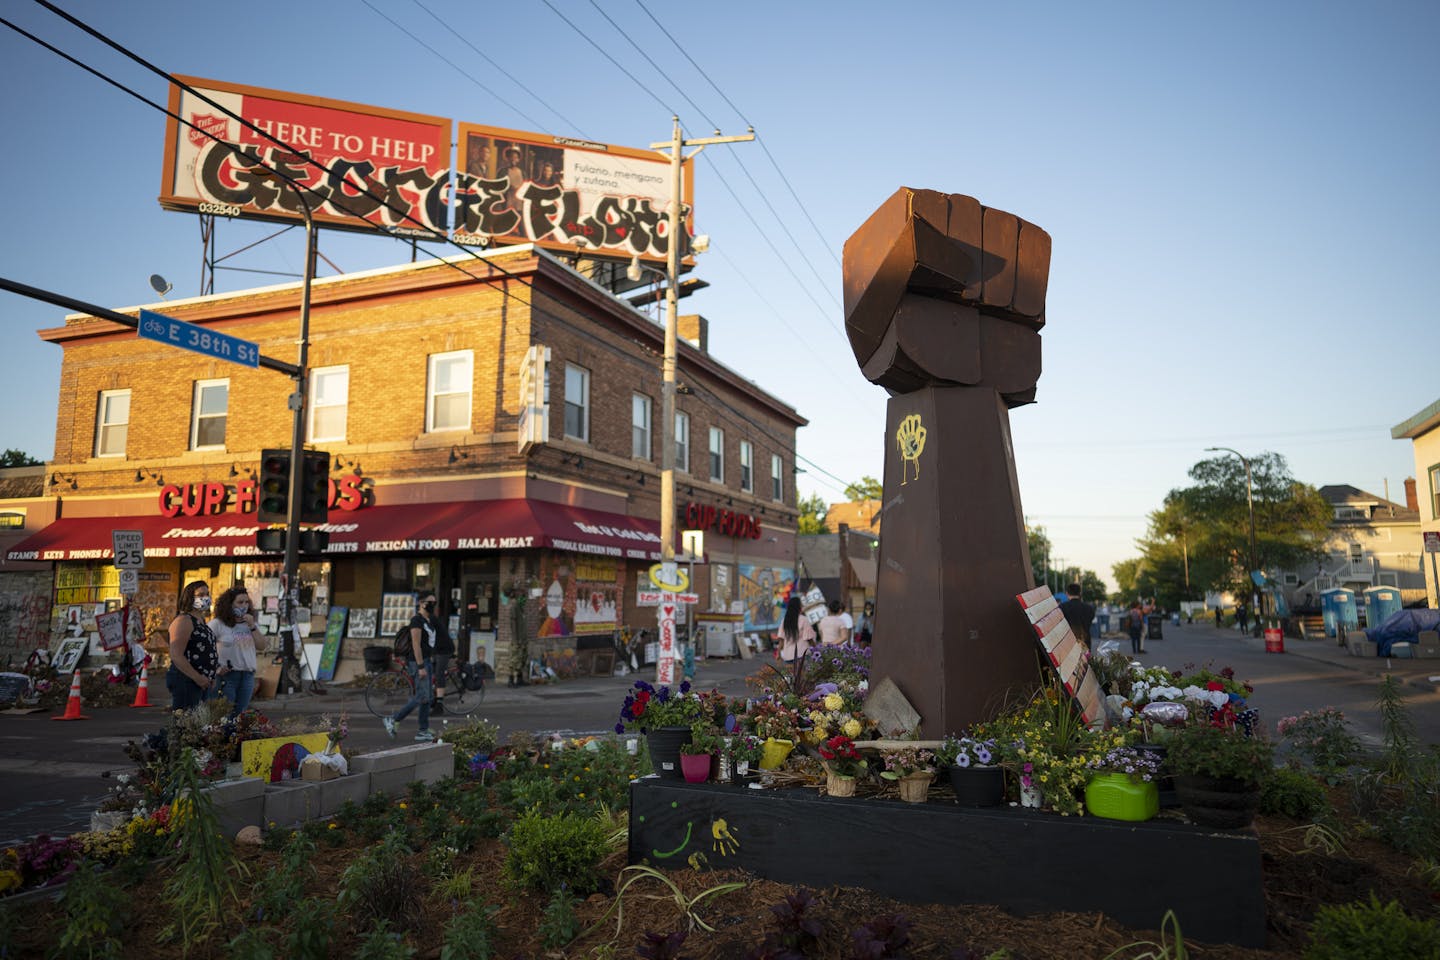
1214	685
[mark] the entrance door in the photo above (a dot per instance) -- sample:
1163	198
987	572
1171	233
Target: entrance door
480	594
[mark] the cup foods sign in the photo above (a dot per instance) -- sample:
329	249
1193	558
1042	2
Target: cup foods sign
364	168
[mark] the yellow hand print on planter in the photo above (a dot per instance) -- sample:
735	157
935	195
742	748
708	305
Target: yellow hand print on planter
910	439
725	842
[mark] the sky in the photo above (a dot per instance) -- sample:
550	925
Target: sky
1242	199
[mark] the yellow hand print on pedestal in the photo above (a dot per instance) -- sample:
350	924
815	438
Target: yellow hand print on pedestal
725	842
910	439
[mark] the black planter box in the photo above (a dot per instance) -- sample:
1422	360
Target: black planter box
1021	861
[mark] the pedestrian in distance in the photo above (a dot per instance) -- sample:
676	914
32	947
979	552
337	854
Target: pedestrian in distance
444	651
419	666
1078	613
234	629
831	627
795	635
193	658
1135	626
1242	617
865	626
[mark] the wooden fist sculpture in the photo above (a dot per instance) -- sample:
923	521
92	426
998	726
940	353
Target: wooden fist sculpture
941	291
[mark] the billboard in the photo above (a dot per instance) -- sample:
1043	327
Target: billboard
402	158
563	193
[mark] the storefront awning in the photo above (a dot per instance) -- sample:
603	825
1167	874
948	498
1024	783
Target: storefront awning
472	526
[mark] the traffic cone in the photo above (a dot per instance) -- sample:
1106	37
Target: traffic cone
72	706
142	696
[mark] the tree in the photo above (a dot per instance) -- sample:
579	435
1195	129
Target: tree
866	488
1091	586
1199	539
812	515
17	458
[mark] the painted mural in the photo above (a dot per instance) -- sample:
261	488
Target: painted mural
763	591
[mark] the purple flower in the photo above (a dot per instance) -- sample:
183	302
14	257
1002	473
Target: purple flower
962	759
685	686
619	728
982	756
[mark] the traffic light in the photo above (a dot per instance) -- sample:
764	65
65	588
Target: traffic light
315	487
270	540
274	486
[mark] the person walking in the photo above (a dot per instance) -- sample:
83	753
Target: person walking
418	664
444	651
865	626
1079	613
1242	617
832	628
795	635
1135	625
234	630
193	659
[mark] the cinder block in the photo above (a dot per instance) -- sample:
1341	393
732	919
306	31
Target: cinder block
293	801
238	803
382	761
334	793
392	783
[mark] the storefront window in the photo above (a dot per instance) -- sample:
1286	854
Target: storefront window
411	574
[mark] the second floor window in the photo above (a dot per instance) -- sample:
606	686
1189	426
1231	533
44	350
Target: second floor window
640	427
717	455
447	393
329	401
777	483
747	467
577	403
682	442
1435	493
112	423
210	410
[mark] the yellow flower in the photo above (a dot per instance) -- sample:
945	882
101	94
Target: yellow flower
817	717
334	826
577	778
582	795
852	728
547	766
833	701
404	805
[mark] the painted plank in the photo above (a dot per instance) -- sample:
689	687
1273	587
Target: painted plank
1061	650
1049	623
1031	597
1068	665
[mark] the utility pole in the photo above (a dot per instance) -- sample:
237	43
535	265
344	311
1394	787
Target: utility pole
676	148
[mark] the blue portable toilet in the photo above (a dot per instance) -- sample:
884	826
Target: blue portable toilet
1338	608
1381	603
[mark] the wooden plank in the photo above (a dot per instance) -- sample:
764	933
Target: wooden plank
1042	610
1068	665
1059	651
1030	598
1049	622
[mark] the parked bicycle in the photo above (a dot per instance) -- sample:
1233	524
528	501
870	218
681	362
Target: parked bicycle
391	688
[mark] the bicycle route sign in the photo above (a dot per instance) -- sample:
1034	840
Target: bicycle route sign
190	336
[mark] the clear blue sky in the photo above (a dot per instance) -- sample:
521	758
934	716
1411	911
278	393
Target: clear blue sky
1243	199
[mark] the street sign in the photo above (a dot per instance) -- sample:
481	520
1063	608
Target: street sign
189	336
129	582
1432	541
129	549
653	598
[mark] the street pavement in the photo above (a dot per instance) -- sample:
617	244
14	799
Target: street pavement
51	773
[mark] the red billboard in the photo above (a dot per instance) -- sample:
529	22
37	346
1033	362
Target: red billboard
563	193
373	167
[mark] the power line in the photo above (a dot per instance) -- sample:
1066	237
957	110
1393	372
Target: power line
618	65
648	59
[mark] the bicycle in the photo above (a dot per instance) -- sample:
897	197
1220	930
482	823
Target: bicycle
390	689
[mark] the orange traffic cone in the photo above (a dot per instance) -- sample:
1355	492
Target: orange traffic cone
72	706
142	696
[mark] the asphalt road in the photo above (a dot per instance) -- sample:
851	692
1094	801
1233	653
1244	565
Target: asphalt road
51	773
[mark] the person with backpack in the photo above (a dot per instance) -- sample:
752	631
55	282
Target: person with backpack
419	665
1135	625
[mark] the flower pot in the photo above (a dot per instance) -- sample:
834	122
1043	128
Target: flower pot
1030	796
773	753
695	767
916	787
839	786
1224	803
1114	796
664	744
978	786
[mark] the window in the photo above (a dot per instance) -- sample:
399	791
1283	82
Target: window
777	475
209	412
1389	579
717	455
682	442
447	392
1292	580
112	423
1357	553
329	400
640	426
1349	513
747	467
1435	492
577	402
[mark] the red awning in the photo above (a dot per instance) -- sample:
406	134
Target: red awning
484	525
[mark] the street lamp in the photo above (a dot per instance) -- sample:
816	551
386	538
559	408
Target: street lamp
1250	503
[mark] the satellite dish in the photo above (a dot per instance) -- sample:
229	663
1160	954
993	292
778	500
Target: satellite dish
158	284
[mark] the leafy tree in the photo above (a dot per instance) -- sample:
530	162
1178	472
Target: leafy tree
812	515
17	458
1199	539
1091	586
866	488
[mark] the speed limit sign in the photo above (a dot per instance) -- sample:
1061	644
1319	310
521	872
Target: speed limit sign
129	549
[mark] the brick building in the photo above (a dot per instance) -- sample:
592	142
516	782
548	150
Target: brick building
493	433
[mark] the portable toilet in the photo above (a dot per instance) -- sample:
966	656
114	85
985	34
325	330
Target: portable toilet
1381	603
1338	608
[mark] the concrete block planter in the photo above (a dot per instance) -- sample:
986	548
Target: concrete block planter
334	793
292	801
238	803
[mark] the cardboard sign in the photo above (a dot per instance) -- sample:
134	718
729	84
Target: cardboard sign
256	756
112	629
334	632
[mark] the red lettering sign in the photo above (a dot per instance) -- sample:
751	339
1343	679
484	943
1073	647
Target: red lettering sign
203	499
740	525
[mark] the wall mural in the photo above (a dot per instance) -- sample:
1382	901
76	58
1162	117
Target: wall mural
582	596
763	591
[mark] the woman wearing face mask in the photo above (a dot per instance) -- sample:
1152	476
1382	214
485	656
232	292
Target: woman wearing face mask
234	629
192	649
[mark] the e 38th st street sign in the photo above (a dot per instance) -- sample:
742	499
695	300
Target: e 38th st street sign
189	336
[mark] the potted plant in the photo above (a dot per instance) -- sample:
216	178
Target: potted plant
745	750
778	726
843	764
1123	785
1217	769
974	769
696	754
913	769
664	717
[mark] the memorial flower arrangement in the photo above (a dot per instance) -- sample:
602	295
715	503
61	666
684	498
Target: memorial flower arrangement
1214	744
832	710
1138	765
647	707
745	748
771	719
967	752
846	665
841	757
907	762
1046	740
